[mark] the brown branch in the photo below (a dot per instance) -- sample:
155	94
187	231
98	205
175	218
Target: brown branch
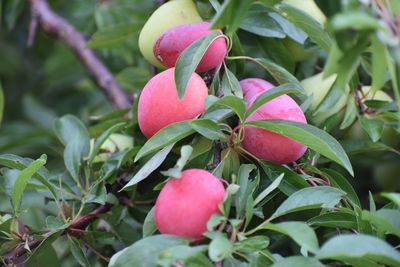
76	229
54	24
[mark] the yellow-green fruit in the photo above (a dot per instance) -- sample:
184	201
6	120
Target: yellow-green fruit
318	88
309	7
168	15
114	143
367	94
231	163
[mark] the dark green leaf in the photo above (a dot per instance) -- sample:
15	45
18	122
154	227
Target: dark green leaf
230	84
315	138
149	226
208	129
373	127
1	103
337	219
339	181
189	59
77	251
233	102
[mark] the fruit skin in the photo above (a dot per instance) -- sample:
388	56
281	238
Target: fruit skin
160	106
172	42
116	142
185	204
166	16
265	144
319	88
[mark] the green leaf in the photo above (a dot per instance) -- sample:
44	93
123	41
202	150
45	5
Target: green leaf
190	256
23	179
231	15
355	20
260	22
339	181
269	189
300	232
394	197
385	220
291	88
379	66
208	129
281	75
308	24
220	248
373	127
74	135
166	136
353	247
246	188
350	114
230	84
337	219
298	261
113	35
149	226
292	182
251	244
315	138
186	151
76	248
145	252
44	254
189	59
103	137
310	198
233	102
1	103
16	162
150	166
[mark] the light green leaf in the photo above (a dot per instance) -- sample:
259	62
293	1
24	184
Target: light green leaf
150	166
298	261
186	152
373	127
300	232
145	252
149	226
379	66
208	129
233	102
23	179
315	138
189	59
385	220
269	189
359	246
220	248
310	198
394	197
230	84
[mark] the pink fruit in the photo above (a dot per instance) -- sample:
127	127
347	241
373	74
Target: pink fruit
160	106
172	42
265	144
185	204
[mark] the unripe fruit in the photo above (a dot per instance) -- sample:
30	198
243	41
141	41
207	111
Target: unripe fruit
116	142
309	7
263	143
160	106
166	16
172	42
319	88
185	204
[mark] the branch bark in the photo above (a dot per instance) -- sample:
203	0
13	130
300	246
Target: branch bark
76	229
65	32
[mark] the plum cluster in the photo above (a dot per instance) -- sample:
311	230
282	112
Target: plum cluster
185	204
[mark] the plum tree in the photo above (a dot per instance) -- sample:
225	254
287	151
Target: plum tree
318	87
166	16
265	144
185	204
160	106
172	42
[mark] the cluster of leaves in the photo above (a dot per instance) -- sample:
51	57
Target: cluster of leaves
272	214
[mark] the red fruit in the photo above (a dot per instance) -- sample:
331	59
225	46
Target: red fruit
172	42
185	205
160	106
265	144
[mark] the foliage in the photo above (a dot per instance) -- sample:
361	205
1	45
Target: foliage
58	169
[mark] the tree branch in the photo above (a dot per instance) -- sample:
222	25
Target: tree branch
76	229
54	24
